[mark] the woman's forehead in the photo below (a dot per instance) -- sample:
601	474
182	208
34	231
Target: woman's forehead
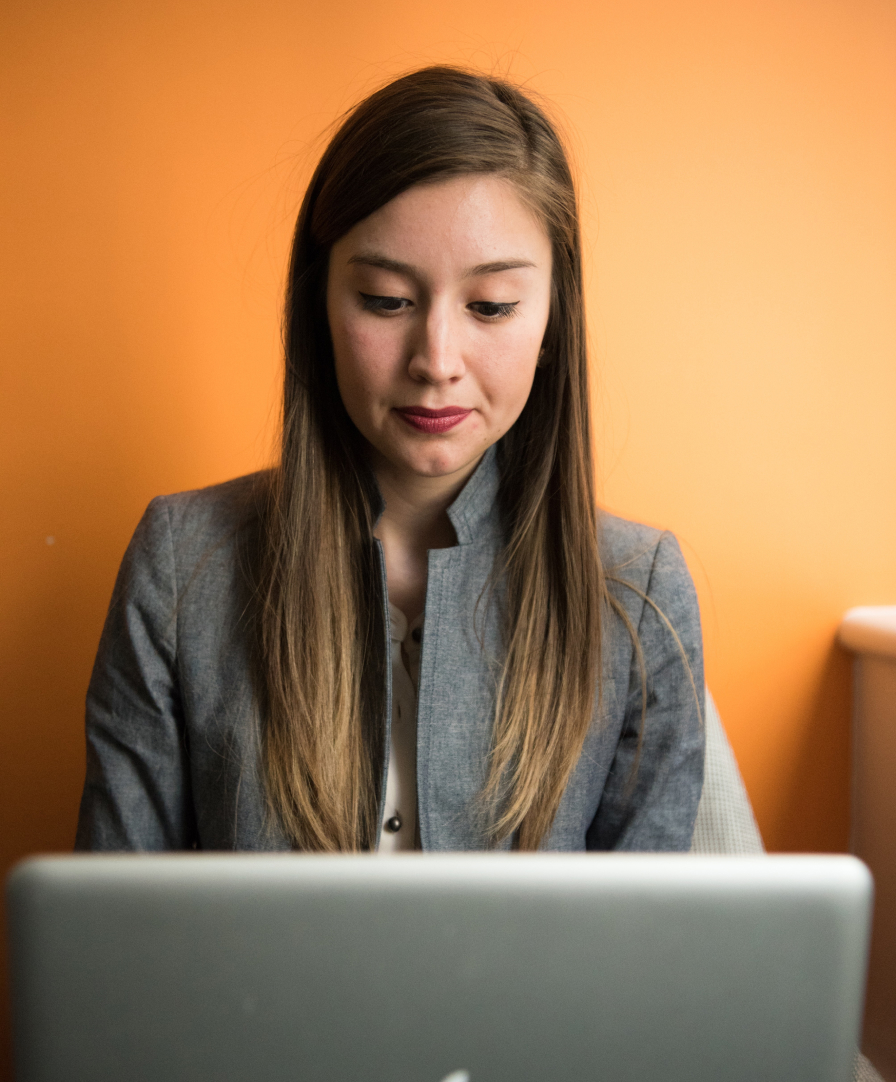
479	224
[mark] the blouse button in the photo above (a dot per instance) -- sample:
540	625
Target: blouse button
393	825
417	634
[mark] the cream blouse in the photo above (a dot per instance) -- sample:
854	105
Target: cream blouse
400	806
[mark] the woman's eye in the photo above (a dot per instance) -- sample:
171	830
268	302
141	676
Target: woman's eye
493	309
371	303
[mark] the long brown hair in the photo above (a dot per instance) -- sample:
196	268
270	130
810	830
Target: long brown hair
322	624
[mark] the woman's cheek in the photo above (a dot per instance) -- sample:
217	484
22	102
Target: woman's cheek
511	366
374	349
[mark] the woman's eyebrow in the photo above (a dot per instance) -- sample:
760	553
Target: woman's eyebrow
372	259
497	267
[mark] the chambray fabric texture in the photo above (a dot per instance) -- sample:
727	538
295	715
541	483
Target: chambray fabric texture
173	730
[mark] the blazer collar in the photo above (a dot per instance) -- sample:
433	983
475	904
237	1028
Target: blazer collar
475	513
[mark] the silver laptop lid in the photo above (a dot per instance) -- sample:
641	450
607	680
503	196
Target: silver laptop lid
509	968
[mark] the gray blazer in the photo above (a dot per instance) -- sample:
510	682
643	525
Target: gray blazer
173	756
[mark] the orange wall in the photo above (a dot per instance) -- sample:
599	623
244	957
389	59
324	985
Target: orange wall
740	169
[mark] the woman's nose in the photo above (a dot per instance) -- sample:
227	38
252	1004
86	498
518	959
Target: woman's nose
437	351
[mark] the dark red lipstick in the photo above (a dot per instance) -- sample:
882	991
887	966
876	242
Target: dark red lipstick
433	421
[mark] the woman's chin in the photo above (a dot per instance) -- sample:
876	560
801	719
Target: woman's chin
449	463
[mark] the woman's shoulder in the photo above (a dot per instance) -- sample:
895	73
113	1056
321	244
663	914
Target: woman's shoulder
625	543
646	558
217	507
201	518
202	535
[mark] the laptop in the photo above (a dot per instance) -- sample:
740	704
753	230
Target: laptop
437	968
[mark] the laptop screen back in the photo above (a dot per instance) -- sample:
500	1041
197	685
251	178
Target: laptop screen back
420	968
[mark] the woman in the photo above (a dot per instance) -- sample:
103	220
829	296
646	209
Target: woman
417	631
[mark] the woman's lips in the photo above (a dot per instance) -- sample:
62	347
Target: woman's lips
425	420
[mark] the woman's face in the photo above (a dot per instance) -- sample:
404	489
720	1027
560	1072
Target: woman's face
437	305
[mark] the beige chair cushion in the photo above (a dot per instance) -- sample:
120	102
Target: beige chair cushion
725	820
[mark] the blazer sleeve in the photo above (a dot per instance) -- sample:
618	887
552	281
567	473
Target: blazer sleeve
137	789
651	794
